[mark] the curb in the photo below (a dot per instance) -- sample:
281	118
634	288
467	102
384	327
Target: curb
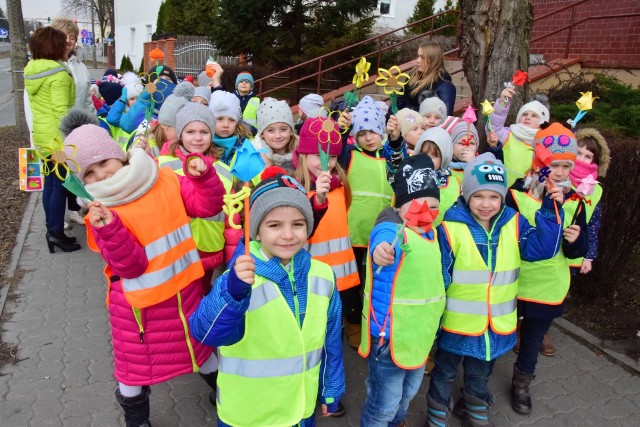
594	343
17	249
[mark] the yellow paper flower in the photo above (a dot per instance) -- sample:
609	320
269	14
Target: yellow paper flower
586	101
233	204
392	81
362	72
487	107
59	158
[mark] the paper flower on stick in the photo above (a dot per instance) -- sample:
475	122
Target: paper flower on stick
326	130
419	215
392	82
469	115
156	55
61	160
209	68
520	78
586	186
248	162
585	103
487	108
362	72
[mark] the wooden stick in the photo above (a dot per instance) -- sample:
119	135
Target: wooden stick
247	225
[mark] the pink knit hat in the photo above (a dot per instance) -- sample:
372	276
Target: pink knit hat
319	130
89	144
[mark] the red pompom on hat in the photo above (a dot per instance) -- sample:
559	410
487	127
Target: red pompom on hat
272	171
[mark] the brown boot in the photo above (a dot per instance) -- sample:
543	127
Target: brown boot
354	334
547	348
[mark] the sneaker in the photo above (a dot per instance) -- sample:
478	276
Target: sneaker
627	346
76	217
547	348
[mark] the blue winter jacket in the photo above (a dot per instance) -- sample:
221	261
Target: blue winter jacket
535	243
219	319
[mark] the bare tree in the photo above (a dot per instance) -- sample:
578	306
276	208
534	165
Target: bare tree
18	62
494	44
103	10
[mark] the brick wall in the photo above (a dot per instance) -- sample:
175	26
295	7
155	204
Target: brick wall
167	46
608	42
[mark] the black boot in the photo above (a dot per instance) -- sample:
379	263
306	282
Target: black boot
520	397
211	380
62	241
136	408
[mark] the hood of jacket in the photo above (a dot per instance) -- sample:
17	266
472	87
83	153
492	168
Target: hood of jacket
37	70
604	159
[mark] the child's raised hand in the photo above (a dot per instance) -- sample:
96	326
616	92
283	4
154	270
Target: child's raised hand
245	269
586	266
393	128
468	155
556	194
492	139
196	166
99	214
508	92
344	121
323	185
383	254
571	233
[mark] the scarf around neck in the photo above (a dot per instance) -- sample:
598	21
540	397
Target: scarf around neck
581	170
129	183
523	133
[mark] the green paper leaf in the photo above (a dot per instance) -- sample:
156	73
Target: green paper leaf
73	184
394	103
351	98
324	158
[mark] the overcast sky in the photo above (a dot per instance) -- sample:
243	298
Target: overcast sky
37	8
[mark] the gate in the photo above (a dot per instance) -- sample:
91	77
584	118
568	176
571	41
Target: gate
191	54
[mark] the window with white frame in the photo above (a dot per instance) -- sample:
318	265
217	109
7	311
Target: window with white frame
133	37
149	32
384	7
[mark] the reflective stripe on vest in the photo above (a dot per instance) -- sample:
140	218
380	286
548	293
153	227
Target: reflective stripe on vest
208	233
276	360
448	196
371	192
518	156
173	261
591	201
417	302
546	281
476	298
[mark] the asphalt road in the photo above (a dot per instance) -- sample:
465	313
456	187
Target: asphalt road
7	114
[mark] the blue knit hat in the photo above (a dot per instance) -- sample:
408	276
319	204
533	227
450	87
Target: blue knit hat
368	116
245	75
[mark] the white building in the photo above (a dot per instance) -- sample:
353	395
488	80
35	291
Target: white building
394	13
135	23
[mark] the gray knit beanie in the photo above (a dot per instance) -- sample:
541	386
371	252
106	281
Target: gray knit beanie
202	92
192	112
225	104
434	105
281	190
442	139
485	172
311	105
273	111
169	109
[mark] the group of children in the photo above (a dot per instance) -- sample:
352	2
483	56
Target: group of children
406	234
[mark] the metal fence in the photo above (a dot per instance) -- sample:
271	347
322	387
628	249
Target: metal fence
192	54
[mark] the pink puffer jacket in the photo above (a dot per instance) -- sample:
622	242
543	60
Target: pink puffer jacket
163	351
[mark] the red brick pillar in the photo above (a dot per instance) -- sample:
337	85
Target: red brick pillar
169	54
148	47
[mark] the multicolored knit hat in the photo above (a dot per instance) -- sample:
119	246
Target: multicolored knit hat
485	172
560	141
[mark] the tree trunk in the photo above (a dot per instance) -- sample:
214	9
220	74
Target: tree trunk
494	44
18	62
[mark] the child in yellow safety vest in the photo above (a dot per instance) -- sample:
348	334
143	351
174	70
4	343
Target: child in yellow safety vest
544	284
368	166
514	144
139	222
275	317
482	242
592	160
229	134
404	295
275	134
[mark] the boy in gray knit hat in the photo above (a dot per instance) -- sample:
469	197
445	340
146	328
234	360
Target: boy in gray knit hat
267	296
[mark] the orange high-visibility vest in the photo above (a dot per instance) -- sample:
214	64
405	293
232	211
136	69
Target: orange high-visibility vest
162	227
331	243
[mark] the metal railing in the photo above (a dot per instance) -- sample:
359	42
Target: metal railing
381	47
192	56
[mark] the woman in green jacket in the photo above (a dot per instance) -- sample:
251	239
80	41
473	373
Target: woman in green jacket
51	93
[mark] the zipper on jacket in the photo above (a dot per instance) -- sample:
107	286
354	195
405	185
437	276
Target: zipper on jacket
489	263
137	314
185	325
296	303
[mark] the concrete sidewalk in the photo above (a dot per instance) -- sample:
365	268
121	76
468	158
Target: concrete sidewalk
63	377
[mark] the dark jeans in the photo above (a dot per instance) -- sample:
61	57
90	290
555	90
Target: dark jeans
476	376
531	335
54	201
352	304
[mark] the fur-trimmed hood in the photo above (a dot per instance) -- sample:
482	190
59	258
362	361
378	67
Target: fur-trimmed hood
605	157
